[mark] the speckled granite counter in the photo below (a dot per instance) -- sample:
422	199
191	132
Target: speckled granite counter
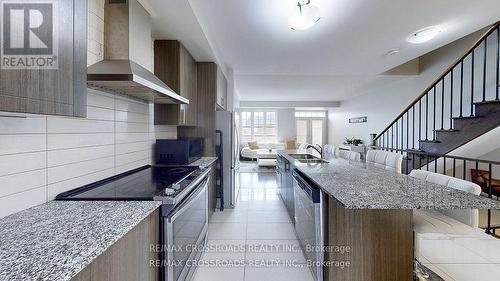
363	186
204	162
54	241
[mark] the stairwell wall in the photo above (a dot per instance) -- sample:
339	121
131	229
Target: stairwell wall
382	104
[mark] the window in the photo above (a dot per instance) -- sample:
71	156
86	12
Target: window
260	126
311	127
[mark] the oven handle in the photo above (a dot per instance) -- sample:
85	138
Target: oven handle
179	210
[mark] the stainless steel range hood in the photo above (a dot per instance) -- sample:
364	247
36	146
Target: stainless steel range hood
127	41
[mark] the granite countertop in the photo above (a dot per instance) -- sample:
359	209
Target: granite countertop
364	186
56	240
204	162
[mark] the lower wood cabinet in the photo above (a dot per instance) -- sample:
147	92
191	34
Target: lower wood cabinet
129	258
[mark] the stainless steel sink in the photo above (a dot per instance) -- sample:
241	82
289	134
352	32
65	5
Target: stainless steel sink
304	157
312	161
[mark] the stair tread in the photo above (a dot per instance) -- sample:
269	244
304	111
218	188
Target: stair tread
431	141
446	130
466	117
487	102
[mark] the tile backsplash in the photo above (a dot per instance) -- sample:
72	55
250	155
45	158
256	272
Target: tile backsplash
42	156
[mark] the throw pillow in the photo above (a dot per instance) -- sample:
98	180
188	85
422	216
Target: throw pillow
291	144
253	145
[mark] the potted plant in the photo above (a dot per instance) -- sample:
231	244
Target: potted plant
353	141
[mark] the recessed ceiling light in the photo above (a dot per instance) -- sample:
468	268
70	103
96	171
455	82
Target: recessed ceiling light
423	35
305	17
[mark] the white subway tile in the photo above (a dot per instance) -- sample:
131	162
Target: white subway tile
21	201
100	99
29	125
18	163
125	116
10	144
64	141
132	106
125	127
98	113
69	171
16	183
72	125
131	157
131	137
63	186
133	165
68	156
132	147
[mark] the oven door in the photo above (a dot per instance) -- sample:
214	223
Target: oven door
186	229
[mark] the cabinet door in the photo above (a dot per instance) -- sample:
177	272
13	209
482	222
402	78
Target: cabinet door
188	84
221	89
175	66
45	72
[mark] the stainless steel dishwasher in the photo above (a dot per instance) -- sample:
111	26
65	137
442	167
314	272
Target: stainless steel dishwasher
309	222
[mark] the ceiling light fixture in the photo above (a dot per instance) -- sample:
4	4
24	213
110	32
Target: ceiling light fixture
306	16
423	35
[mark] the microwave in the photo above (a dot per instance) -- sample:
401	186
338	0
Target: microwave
178	152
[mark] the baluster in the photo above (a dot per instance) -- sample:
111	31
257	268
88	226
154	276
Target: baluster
444	165
392	136
442	104
461	86
407	129
413	125
489	180
451	100
498	62
435	164
420	119
402	131
484	67
426	115
397	135
434	116
465	170
472	85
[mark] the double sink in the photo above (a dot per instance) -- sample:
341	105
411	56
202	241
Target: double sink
307	158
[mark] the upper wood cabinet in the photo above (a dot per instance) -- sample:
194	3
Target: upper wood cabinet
43	70
175	66
221	89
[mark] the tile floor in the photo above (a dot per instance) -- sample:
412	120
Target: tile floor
255	241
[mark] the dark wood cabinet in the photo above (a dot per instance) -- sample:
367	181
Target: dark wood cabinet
206	105
175	66
131	258
45	72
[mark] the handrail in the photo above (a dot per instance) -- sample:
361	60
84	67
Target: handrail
435	155
442	76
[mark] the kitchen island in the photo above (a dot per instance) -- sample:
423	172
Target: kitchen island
368	210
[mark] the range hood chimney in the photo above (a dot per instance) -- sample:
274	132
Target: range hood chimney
127	55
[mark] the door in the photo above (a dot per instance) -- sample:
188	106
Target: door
311	130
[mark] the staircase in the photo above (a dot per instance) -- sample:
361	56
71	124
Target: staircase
460	105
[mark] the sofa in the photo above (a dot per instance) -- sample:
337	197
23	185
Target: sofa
248	153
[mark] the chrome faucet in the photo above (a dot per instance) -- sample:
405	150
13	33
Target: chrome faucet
316	147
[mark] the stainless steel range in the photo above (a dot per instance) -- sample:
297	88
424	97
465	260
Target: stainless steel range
183	215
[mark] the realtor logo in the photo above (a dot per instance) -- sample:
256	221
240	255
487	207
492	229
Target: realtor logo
29	37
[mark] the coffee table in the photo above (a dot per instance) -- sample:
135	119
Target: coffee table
266	157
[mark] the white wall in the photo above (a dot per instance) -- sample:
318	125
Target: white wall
382	104
287	129
42	156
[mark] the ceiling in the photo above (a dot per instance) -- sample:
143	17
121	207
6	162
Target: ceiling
344	51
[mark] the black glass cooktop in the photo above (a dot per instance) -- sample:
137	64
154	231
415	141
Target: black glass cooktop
139	184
